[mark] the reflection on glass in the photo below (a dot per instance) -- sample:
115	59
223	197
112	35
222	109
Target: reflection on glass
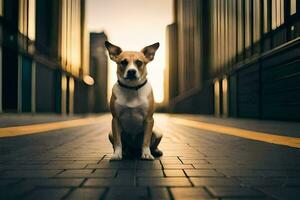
225	96
217	97
293	7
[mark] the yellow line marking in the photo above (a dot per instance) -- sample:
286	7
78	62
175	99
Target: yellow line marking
252	135
44	127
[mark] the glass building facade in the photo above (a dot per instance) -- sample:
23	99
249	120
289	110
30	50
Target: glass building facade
242	57
43	56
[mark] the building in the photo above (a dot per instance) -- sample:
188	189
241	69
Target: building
187	87
43	57
99	71
172	85
238	58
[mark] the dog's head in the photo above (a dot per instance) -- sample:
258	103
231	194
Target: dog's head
131	69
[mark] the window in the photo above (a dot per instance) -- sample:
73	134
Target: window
31	19
221	31
27	18
256	20
247	24
70	36
277	13
240	26
1	7
215	33
293	8
266	16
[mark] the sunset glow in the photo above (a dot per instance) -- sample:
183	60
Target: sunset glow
132	25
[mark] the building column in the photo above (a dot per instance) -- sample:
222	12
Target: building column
33	86
1	80
71	95
19	96
63	94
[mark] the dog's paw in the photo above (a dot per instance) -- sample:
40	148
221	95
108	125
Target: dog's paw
117	155
146	154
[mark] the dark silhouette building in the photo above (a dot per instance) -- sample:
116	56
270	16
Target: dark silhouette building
98	70
43	56
237	58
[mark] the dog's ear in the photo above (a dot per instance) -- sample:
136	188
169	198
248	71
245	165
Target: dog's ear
113	50
149	51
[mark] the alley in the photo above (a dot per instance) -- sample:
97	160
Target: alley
69	159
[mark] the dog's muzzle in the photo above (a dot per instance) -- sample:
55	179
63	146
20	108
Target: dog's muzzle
131	74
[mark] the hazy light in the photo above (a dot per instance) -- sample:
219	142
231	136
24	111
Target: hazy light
88	80
31	20
225	96
71	95
133	24
217	97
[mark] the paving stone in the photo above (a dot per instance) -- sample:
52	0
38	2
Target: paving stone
47	193
89	159
101	182
117	193
178	166
170	161
88	173
29	173
54	182
14	192
291	181
213	181
189	193
169	181
174	172
105	164
148	165
194	161
202	172
126	173
86	194
253	181
282	193
65	166
240	172
232	191
170	158
280	173
149	173
21	167
159	193
5	182
204	166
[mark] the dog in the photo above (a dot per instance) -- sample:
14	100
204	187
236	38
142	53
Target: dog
132	105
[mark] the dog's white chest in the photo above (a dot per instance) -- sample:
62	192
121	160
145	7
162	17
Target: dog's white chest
131	107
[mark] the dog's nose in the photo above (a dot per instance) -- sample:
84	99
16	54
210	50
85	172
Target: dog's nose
131	74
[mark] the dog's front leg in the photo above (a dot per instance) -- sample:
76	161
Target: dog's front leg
116	131
146	153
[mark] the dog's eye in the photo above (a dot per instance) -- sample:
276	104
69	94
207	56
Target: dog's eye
124	63
138	63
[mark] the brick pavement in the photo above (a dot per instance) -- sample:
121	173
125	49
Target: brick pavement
74	164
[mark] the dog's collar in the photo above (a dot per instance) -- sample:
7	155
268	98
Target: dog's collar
132	87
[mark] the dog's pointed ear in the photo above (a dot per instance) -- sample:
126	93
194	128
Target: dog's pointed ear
149	51
113	50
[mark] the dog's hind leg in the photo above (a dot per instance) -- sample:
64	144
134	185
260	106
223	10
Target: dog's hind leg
155	140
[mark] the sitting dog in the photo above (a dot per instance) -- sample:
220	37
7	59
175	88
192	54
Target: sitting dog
132	105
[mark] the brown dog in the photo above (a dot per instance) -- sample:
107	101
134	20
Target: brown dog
132	104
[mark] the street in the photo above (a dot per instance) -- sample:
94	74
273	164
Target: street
68	158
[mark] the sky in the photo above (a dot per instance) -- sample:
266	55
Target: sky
132	25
